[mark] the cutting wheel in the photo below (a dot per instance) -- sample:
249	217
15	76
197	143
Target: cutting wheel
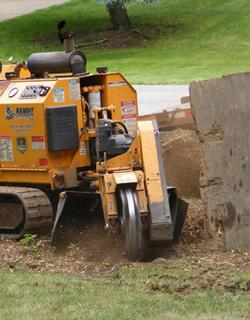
134	230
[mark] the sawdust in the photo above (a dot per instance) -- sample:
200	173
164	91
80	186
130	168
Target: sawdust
181	154
94	251
194	231
207	271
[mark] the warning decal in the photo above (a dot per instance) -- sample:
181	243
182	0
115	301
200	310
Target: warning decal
83	148
6	148
74	89
58	94
38	142
42	162
128	115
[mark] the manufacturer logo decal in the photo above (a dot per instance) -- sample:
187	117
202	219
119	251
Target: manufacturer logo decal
24	113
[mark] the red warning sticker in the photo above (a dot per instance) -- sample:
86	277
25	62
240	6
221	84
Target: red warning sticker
128	115
43	162
38	142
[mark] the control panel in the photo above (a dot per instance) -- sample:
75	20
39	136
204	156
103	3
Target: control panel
33	91
25	92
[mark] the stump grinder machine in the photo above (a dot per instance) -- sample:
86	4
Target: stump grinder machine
65	133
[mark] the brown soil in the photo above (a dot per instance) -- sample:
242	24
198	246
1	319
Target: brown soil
85	234
181	153
104	39
88	248
126	38
84	246
111	39
101	40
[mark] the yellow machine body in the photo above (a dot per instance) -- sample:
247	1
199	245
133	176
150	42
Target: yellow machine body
34	164
64	134
14	70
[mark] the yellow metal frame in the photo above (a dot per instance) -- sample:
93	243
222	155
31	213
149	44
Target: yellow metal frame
39	166
139	166
19	70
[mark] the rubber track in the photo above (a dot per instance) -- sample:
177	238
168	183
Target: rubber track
37	208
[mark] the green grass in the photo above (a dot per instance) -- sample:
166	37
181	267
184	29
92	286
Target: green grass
189	39
130	293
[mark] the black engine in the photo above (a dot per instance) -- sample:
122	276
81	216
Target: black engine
112	138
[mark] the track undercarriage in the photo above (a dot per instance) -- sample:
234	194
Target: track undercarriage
22	210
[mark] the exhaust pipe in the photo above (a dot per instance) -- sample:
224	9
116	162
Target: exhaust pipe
57	62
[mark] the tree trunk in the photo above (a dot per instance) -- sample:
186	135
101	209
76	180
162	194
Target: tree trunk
119	16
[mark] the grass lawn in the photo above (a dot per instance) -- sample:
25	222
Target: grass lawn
130	293
184	39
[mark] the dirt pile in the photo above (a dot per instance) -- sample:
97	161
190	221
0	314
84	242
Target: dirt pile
89	251
194	228
86	247
181	155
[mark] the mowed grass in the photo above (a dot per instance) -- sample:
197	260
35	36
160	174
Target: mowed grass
130	293
188	39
